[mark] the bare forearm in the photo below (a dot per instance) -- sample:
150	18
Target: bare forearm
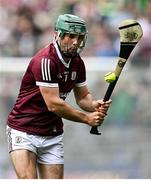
64	110
87	103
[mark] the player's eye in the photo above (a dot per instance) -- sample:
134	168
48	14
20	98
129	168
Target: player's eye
81	37
72	36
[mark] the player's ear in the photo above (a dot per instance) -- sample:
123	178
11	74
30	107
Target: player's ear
55	37
56	34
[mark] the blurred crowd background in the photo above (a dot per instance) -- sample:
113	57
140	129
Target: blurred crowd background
124	148
28	25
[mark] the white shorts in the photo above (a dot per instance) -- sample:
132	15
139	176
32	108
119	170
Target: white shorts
49	149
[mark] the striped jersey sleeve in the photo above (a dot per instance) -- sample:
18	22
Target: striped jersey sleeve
45	69
45	72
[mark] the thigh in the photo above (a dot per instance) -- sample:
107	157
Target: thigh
53	171
24	163
50	158
22	153
50	150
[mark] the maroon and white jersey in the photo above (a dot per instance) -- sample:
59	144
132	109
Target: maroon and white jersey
47	68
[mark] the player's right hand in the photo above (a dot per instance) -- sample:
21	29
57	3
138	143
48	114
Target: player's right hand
96	118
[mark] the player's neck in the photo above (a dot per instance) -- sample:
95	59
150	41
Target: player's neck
66	59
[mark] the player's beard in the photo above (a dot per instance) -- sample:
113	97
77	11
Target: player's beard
67	52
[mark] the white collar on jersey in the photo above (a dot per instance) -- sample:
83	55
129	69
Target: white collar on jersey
60	56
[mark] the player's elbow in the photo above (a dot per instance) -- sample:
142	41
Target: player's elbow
55	106
52	109
79	103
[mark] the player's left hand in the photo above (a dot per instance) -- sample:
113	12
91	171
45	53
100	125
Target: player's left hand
102	106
